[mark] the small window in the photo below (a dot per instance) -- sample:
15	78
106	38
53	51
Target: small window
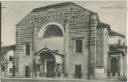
78	46
27	47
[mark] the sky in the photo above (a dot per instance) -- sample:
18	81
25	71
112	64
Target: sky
113	13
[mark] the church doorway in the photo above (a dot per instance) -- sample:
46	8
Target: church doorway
50	68
48	62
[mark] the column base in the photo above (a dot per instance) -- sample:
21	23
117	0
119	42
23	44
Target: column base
100	73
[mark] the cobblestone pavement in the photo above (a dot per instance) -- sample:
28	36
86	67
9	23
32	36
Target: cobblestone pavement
55	80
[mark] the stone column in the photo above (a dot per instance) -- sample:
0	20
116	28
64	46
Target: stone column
55	70
121	65
105	51
45	68
109	66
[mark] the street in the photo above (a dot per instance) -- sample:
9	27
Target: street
56	80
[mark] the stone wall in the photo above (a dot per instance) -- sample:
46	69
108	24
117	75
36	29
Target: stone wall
102	48
76	23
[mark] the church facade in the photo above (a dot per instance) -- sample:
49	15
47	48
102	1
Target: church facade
65	40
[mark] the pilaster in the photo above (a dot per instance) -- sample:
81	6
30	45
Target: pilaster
66	48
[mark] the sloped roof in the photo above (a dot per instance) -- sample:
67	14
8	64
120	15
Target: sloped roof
57	5
103	25
116	49
6	49
49	51
113	33
52	6
116	52
118	46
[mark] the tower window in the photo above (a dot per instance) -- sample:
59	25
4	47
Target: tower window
78	46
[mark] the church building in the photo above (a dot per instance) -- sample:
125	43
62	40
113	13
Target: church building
67	40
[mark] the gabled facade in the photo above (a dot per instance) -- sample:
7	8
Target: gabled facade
75	33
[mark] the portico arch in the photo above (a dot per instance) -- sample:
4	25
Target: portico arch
47	63
54	42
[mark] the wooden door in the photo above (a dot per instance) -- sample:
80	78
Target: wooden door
27	71
50	68
114	66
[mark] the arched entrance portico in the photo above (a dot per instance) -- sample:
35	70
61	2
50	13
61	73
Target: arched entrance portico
47	63
51	36
50	50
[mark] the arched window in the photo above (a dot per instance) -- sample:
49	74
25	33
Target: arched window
53	31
